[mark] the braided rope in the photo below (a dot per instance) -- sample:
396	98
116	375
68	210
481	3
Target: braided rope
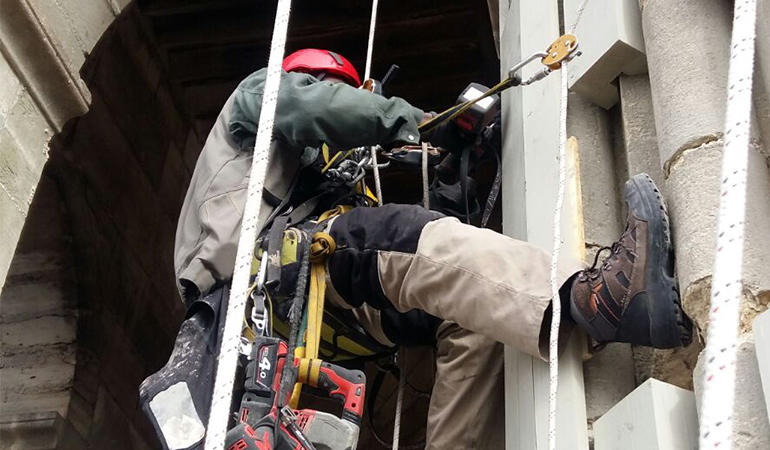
367	73
370	46
228	355
716	413
425	184
399	400
553	341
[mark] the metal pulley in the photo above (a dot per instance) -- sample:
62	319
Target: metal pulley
564	48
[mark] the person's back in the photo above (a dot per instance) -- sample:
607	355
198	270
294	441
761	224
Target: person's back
310	112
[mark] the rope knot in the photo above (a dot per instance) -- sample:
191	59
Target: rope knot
322	247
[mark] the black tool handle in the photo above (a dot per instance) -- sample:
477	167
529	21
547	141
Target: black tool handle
389	75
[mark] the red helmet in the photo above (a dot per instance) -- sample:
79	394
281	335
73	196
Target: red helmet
312	60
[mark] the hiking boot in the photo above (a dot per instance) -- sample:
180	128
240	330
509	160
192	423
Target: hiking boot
633	297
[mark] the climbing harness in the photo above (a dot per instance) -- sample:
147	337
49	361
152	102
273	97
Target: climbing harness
716	412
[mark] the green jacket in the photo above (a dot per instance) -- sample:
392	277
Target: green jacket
309	112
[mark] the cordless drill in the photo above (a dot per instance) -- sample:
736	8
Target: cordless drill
304	429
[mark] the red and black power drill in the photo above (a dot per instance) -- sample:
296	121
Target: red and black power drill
260	419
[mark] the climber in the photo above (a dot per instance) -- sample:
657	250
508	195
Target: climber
473	288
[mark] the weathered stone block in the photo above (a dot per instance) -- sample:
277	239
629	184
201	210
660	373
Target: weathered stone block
80	414
762	340
171	183
656	416
33	300
609	377
638	122
762	106
10	88
121	84
192	149
39	331
36	401
590	124
763	52
40	431
693	186
11	222
29	48
751	428
169	115
104	433
688	70
121	365
30	129
126	279
18	175
74	27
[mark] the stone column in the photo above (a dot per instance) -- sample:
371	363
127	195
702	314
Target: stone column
688	44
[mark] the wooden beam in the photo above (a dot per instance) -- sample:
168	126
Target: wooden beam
428	62
254	23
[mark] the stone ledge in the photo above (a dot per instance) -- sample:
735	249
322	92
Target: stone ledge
38	431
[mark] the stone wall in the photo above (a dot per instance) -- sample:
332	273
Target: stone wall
42	48
105	215
39	312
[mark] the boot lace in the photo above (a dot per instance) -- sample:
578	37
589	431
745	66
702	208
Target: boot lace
614	249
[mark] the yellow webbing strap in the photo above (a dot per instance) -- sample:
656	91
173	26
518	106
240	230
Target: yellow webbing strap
322	247
309	370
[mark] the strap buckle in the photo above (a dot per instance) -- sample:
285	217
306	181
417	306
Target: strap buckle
258	316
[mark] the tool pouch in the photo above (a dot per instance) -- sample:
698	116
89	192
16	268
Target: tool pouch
177	398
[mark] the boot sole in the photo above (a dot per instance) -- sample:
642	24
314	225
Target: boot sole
669	326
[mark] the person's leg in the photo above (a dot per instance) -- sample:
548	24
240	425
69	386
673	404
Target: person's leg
404	257
467	407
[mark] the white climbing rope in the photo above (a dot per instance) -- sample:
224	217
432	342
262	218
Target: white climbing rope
376	172
228	354
425	181
716	412
553	344
399	399
367	72
370	46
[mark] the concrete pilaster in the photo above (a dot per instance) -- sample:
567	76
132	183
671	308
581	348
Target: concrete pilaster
609	375
751	427
641	154
638	122
688	46
688	43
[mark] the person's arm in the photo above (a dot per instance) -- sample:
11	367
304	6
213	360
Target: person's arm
310	113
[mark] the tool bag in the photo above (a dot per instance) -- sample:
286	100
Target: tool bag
177	398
